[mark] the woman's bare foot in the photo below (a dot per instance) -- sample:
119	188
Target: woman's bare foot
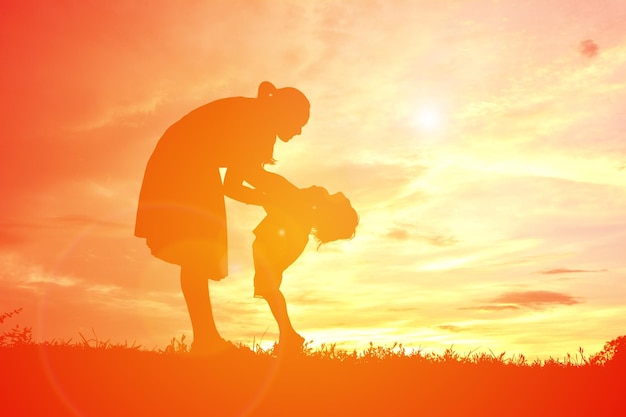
214	347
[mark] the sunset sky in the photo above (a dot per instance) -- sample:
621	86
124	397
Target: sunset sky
482	142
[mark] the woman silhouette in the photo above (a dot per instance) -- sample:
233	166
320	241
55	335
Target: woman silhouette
181	210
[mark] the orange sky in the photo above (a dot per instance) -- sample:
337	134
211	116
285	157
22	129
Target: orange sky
482	143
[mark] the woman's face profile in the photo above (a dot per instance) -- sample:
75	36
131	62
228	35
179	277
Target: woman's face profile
291	125
286	133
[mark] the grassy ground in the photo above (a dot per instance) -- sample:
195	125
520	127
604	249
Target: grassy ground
92	378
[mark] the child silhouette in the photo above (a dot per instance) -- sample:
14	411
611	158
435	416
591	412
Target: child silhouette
281	237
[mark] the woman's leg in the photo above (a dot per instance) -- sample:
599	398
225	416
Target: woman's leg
195	286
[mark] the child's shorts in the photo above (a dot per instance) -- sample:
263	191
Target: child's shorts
268	271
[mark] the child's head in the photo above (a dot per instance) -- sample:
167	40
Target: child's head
290	108
334	219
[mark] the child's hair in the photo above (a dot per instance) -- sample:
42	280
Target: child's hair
334	219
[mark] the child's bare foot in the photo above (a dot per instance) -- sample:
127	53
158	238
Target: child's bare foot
290	344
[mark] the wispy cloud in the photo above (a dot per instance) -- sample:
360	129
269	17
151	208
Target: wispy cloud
398	234
487	307
569	271
38	278
451	328
588	48
518	300
434	239
533	299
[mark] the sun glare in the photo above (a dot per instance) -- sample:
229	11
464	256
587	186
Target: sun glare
428	118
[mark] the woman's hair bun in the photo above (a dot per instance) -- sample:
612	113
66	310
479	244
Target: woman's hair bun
266	89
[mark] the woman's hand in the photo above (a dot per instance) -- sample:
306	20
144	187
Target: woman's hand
267	185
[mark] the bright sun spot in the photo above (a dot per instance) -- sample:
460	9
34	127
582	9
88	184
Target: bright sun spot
428	118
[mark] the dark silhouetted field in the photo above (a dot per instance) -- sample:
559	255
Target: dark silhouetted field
98	379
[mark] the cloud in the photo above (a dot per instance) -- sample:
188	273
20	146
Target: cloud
451	328
46	279
66	116
364	183
398	234
492	307
80	220
588	48
569	271
69	222
517	300
534	299
432	239
59	305
422	233
404	309
441	240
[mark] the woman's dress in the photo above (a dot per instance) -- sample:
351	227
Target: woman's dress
181	210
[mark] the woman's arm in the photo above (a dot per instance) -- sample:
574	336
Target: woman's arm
267	185
235	189
269	182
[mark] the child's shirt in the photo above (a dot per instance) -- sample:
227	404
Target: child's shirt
284	232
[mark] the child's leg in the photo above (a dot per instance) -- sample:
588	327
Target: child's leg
195	288
269	264
278	306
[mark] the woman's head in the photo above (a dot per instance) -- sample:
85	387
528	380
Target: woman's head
289	107
334	219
